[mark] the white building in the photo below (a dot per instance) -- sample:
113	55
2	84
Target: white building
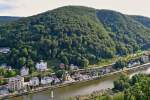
16	83
56	80
24	71
41	66
6	67
145	58
132	64
4	50
34	81
3	90
107	70
46	80
73	67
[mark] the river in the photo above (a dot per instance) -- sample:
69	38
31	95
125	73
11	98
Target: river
65	93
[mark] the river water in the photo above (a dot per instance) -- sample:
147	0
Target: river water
65	93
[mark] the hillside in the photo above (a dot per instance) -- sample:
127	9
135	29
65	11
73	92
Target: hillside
127	30
72	34
7	19
143	20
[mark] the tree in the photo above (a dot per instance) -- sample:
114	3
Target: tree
120	64
2	81
84	63
122	83
10	73
59	73
22	61
24	52
64	59
2	71
119	96
132	98
31	70
93	36
30	63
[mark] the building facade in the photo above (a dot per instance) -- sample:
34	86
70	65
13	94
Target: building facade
16	83
41	66
34	81
4	50
73	67
46	80
145	59
24	71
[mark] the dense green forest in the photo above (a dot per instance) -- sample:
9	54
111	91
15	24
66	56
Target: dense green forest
7	19
143	20
136	88
72	35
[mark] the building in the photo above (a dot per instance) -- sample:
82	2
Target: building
34	81
4	90
145	59
67	77
76	76
133	63
4	50
41	66
24	71
6	67
46	80
73	67
16	83
56	80
61	65
105	71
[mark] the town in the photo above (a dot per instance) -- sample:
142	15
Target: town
74	50
25	82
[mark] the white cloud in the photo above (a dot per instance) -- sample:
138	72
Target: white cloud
32	7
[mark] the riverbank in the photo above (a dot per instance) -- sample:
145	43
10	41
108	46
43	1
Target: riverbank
116	92
92	95
129	70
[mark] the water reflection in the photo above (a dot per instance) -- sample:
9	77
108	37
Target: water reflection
148	71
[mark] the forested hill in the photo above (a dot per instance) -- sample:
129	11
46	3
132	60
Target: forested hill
72	34
127	30
143	20
7	19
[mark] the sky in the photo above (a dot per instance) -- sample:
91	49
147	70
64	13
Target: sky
26	8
